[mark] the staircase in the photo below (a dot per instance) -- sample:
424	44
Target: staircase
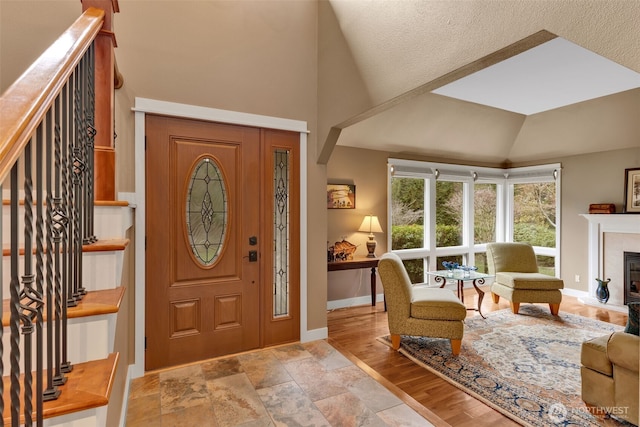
67	315
98	329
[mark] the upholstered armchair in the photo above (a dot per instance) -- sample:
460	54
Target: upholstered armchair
609	374
517	278
419	310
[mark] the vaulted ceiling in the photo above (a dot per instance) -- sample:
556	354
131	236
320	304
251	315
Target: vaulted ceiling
540	97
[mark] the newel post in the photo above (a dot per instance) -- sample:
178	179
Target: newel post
105	70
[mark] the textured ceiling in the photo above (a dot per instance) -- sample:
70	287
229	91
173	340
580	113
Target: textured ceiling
551	100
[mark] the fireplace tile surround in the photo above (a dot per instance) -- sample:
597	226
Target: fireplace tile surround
631	277
610	235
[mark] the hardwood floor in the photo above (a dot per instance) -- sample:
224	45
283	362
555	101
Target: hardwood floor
354	331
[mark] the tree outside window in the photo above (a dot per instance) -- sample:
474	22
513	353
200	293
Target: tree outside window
533	215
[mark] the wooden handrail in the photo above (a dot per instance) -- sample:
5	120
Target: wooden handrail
24	104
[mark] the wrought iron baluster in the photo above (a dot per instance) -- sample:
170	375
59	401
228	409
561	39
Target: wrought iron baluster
91	133
63	278
28	297
83	137
79	166
40	141
32	297
53	221
14	306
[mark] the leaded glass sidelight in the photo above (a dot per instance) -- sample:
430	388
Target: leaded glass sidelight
207	210
281	232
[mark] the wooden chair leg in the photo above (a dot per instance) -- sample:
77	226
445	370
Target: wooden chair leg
554	308
455	347
496	298
515	307
395	341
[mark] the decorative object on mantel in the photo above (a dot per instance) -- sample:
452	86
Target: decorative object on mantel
342	251
370	224
602	208
602	291
632	190
632	321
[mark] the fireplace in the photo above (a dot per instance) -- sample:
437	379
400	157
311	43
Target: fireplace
610	235
631	277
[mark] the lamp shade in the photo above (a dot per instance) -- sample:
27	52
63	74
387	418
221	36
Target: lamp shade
370	224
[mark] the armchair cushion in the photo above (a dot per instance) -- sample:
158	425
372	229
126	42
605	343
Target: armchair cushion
519	280
436	303
594	355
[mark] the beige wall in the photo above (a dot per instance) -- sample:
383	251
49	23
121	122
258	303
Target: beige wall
250	56
27	28
594	178
366	169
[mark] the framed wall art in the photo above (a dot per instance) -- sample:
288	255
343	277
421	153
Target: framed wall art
632	190
341	196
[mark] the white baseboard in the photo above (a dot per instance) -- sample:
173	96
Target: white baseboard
352	302
575	293
585	298
314	335
125	400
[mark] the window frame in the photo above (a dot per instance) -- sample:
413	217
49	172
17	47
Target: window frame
503	178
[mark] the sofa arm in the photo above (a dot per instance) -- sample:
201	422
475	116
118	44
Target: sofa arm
623	350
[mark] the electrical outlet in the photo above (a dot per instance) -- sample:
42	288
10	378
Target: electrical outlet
577	278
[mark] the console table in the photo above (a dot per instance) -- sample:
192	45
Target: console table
357	263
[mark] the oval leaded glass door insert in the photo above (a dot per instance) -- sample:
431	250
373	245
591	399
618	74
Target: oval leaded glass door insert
206	211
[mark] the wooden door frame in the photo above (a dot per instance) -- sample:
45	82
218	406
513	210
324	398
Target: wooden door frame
145	106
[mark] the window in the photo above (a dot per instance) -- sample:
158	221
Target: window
407	212
534	214
534	220
470	207
485	202
449	214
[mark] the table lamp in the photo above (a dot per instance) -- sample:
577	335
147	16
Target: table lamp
371	225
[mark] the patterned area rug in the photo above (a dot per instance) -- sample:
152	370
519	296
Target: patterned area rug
526	366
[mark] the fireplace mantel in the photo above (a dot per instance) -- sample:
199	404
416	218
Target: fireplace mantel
615	223
599	224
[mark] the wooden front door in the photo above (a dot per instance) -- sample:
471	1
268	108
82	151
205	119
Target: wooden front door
202	240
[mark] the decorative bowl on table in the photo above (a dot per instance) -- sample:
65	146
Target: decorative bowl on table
467	269
450	266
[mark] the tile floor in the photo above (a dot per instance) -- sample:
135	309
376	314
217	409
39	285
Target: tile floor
308	384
